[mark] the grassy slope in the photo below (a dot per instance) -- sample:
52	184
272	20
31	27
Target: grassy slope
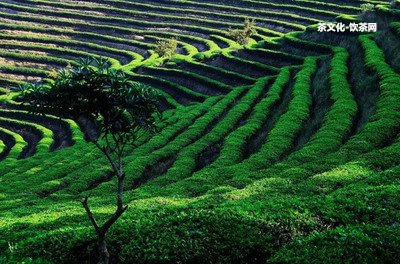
331	197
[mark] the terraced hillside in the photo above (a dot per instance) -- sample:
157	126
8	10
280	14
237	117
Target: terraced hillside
285	150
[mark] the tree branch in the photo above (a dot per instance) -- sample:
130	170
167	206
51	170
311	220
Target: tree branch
120	207
113	219
116	141
90	214
114	167
123	149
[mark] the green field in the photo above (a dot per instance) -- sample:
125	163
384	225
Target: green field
284	150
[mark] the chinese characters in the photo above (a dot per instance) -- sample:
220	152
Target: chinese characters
352	27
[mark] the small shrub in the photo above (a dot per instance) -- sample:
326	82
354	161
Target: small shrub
199	56
166	48
242	36
365	8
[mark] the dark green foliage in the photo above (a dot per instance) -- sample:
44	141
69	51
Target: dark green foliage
94	90
354	244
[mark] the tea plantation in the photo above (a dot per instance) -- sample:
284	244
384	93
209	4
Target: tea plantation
283	150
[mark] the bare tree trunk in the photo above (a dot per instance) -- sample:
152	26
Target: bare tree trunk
101	231
104	256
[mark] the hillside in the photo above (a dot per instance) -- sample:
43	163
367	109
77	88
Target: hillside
283	150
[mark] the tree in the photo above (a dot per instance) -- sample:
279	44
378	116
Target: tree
121	109
166	48
242	36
